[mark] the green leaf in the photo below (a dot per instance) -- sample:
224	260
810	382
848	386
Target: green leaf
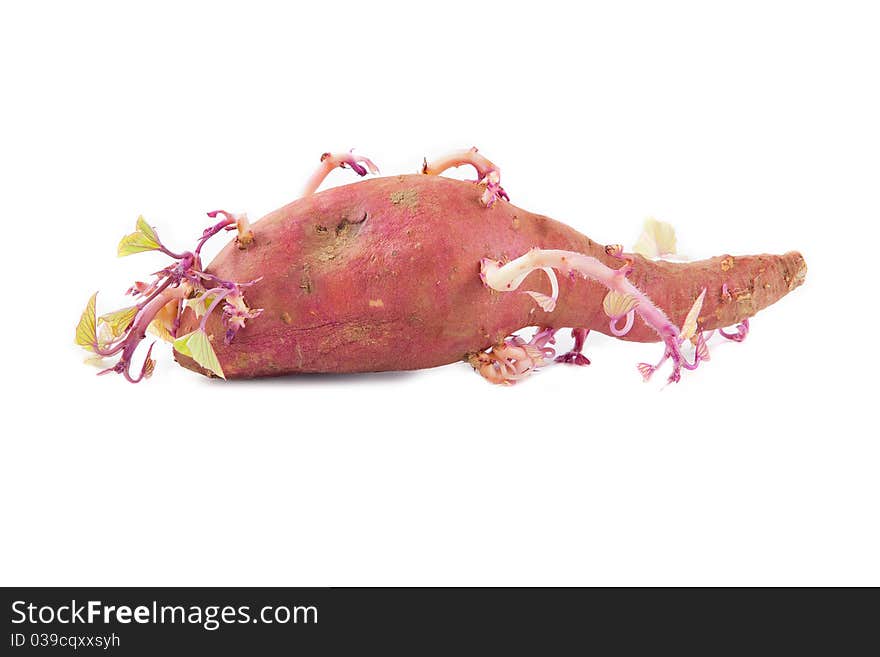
143	239
197	346
180	344
146	229
119	320
86	332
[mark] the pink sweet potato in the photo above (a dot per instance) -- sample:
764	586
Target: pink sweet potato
397	273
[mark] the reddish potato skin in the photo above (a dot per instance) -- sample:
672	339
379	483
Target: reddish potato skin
383	274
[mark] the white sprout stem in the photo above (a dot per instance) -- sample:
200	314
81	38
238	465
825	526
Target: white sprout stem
612	325
470	156
554	284
330	161
547	304
506	278
245	234
317	177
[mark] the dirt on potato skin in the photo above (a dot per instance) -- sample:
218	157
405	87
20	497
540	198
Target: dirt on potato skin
383	274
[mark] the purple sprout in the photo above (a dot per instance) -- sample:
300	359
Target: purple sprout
742	330
162	302
514	359
329	161
575	357
487	173
622	302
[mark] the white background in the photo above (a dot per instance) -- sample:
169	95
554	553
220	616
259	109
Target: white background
752	127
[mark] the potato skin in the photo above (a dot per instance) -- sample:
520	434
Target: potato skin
383	274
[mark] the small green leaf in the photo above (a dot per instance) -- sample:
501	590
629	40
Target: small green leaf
86	332
143	239
180	344
146	229
197	346
135	243
119	320
203	353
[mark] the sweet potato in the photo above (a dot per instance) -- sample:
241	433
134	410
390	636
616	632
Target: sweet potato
415	271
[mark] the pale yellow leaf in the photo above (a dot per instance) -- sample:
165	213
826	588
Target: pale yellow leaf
657	239
548	304
689	327
119	320
86	331
157	327
617	305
